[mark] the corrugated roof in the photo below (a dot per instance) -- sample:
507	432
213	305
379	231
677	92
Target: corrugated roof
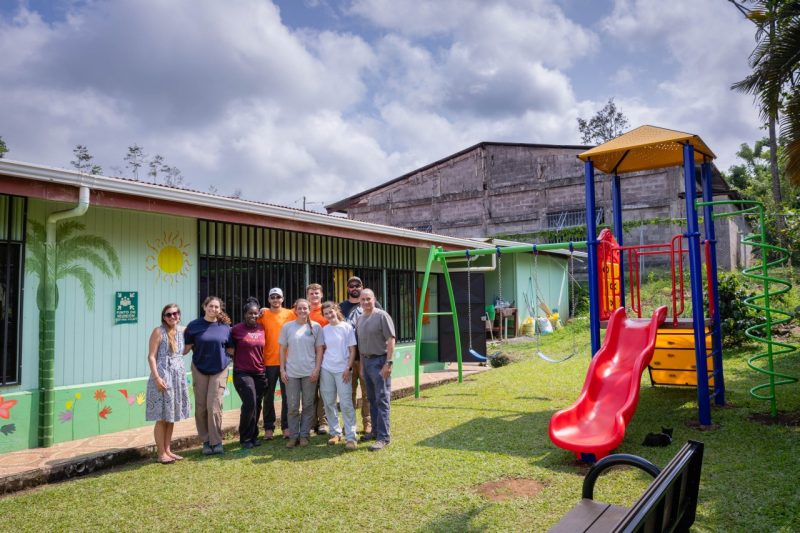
645	148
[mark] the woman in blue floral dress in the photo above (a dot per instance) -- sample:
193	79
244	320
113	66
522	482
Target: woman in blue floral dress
167	391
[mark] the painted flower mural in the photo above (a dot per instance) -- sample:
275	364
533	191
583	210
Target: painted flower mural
5	407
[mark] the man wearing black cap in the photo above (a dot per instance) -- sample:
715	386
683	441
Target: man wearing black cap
351	309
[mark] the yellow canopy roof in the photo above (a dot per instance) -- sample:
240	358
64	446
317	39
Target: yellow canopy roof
645	148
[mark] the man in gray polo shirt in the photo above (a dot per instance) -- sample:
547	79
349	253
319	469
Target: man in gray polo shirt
376	337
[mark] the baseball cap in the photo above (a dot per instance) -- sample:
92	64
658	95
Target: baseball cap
354	278
275	290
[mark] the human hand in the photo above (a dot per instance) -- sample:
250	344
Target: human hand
284	376
346	376
386	371
314	375
161	385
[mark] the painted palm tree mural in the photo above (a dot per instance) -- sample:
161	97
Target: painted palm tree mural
74	250
69	255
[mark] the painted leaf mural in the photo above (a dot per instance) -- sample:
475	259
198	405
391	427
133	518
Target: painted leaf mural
74	252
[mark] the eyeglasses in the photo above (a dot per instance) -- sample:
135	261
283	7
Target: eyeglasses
275	297
356	286
174	314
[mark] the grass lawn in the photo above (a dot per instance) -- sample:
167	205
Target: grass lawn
493	426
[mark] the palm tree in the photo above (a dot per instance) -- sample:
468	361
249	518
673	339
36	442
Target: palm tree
775	81
72	249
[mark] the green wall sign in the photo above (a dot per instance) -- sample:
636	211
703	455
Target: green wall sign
126	306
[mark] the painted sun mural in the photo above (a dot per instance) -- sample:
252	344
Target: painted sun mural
168	257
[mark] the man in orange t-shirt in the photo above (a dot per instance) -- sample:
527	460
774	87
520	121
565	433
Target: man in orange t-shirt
314	297
273	318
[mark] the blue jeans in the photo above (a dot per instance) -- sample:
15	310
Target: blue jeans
379	391
331	385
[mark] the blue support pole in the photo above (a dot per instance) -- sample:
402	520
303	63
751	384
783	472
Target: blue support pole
591	248
616	204
716	327
698	319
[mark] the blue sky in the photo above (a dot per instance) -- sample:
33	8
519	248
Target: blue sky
321	98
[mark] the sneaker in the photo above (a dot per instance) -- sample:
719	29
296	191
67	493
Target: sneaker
247	445
336	439
285	434
291	443
367	436
255	442
322	430
217	449
207	449
268	434
378	446
303	442
351	446
367	428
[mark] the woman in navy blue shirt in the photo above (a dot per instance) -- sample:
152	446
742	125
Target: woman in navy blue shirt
207	338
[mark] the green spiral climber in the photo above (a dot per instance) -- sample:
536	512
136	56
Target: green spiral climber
764	361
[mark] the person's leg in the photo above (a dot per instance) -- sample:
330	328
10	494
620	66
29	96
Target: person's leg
273	376
366	378
320	421
246	389
293	394
200	386
309	391
358	379
381	396
284	411
348	411
327	388
216	392
158	435
260	382
169	427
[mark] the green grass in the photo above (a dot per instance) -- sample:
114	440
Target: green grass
490	427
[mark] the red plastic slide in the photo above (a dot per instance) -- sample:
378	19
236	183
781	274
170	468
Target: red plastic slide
595	424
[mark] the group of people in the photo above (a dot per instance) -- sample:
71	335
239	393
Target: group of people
317	352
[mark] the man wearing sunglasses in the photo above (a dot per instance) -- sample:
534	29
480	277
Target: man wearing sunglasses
273	318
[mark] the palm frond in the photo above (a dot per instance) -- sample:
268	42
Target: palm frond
85	279
66	228
36	241
790	131
70	248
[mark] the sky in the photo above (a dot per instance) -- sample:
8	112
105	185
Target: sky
321	99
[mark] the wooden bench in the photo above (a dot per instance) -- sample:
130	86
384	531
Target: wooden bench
668	504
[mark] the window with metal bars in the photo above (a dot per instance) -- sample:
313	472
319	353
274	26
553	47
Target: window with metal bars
238	261
12	254
573	217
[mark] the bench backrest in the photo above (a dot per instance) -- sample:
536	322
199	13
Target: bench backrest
670	502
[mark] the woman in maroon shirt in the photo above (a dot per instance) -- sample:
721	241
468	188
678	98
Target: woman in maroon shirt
246	345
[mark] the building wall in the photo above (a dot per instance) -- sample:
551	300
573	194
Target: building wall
508	190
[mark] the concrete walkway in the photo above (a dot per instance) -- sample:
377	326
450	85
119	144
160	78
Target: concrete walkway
29	468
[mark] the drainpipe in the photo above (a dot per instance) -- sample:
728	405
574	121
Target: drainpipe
47	335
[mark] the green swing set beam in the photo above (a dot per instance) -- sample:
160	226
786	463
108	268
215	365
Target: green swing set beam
436	253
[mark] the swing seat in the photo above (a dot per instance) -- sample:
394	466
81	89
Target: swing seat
480	357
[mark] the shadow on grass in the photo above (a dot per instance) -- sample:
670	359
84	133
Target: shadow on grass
454	521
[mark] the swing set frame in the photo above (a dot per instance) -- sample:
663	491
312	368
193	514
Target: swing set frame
437	254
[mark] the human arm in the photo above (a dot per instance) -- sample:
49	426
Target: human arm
318	364
283	353
386	371
348	372
152	350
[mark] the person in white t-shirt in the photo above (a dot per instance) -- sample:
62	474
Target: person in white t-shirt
337	364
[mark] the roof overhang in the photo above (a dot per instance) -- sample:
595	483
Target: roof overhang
56	184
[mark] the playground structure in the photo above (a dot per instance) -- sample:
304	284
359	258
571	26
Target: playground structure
678	338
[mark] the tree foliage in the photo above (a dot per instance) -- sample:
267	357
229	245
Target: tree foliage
775	80
134	159
83	161
608	123
3	148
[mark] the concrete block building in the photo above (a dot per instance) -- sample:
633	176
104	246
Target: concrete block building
533	193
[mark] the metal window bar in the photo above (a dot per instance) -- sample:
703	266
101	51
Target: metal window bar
13	211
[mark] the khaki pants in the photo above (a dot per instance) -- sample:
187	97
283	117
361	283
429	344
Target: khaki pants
208	393
355	379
